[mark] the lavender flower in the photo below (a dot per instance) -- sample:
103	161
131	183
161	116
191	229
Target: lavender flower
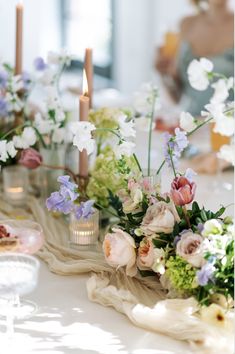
174	145
3	79
205	274
3	107
39	64
85	210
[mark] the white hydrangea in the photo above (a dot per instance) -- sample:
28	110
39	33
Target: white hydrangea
198	73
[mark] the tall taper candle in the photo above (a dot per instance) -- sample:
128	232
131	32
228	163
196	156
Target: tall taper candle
88	64
19	38
83	116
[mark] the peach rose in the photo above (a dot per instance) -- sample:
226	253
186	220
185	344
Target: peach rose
119	250
145	257
191	247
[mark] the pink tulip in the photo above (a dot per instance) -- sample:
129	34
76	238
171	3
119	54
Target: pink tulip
30	158
182	191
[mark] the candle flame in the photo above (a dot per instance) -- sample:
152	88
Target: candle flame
84	84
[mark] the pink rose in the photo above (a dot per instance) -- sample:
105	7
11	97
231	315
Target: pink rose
182	191
191	247
145	254
160	217
119	251
30	158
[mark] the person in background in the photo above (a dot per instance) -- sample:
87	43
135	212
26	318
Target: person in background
208	34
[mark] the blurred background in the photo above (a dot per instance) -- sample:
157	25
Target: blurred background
124	35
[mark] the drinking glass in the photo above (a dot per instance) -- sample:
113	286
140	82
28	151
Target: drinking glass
18	277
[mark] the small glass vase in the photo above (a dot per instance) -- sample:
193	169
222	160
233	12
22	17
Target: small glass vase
152	179
52	156
15	185
84	233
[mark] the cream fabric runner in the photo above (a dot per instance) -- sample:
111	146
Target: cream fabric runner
141	299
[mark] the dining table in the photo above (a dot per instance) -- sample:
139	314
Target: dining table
67	322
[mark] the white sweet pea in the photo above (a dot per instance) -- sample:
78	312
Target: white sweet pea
58	135
11	149
225	125
198	73
221	91
82	136
3	150
187	122
6	149
126	128
124	149
144	99
212	227
44	126
26	139
227	153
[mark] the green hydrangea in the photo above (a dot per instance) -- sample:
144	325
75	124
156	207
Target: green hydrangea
106	176
105	118
182	275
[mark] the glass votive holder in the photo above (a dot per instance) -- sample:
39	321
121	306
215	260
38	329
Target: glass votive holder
84	232
15	185
152	180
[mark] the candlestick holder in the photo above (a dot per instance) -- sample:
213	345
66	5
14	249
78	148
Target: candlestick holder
15	185
84	233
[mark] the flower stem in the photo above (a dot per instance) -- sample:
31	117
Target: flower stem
12	131
137	163
172	163
186	216
161	166
150	136
109	130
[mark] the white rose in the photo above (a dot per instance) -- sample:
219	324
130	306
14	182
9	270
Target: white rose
187	122
227	153
198	73
191	248
124	149
212	227
119	250
160	217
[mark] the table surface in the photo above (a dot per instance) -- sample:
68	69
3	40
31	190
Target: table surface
67	322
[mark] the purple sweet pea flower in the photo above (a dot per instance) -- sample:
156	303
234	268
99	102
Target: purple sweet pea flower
3	79
205	274
57	202
65	181
189	174
174	145
39	64
85	210
3	107
26	80
200	227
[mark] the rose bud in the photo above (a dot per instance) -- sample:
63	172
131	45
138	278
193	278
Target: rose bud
30	158
182	191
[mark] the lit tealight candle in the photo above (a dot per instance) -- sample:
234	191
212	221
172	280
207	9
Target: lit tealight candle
84	232
83	116
15	193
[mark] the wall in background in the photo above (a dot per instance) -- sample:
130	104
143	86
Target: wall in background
41	29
